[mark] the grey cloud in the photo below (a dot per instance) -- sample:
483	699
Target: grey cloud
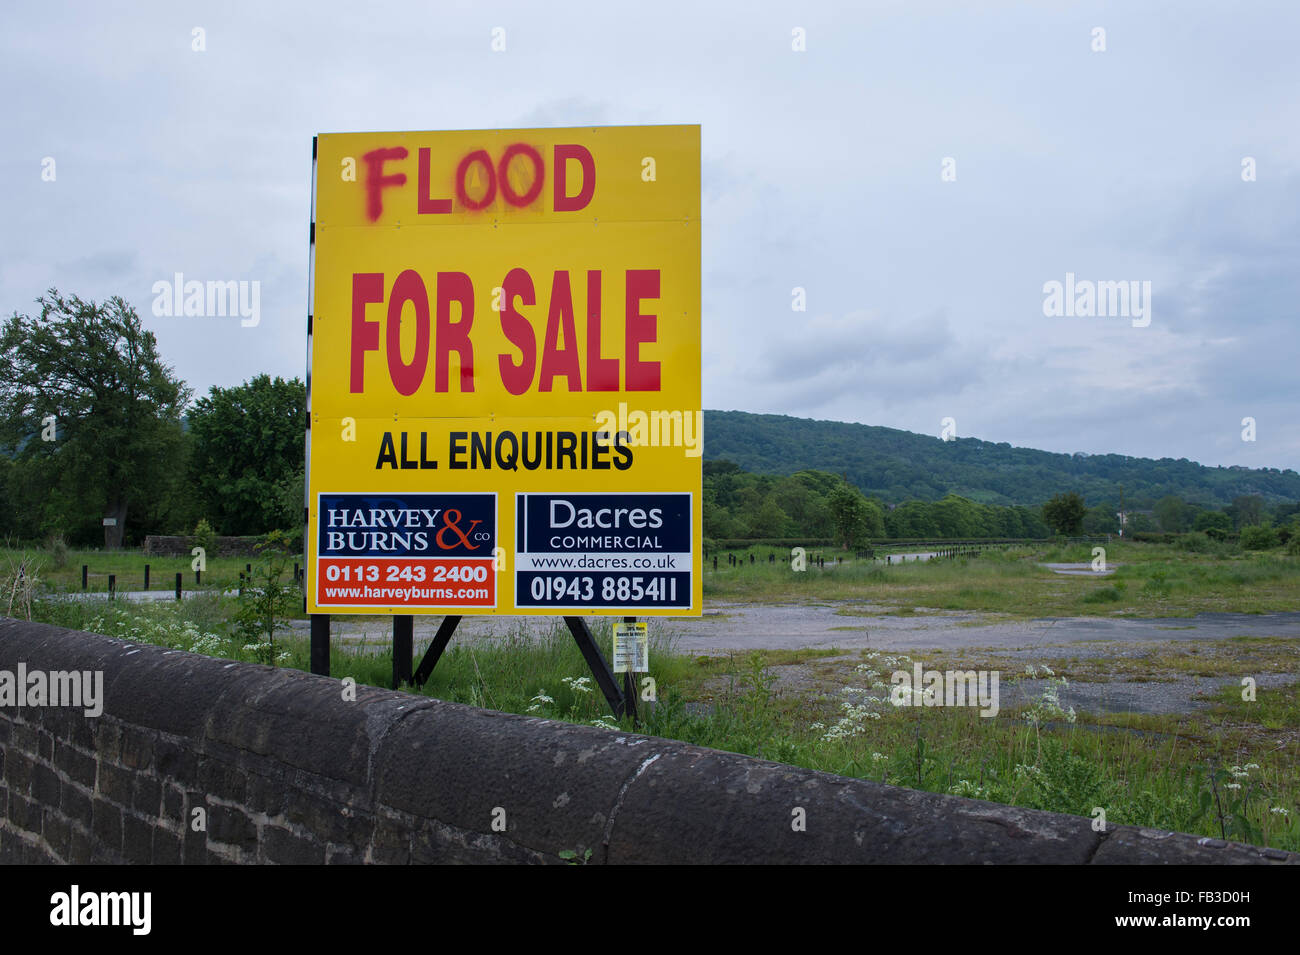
820	170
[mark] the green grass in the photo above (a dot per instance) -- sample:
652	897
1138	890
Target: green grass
1141	769
1150	580
128	566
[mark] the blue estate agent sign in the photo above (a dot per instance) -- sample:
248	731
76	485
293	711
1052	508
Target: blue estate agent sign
601	551
406	525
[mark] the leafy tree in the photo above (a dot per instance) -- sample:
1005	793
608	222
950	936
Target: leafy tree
711	468
1285	511
1140	522
1247	509
116	412
718	522
771	520
268	597
1173	514
1102	519
912	519
248	454
738	504
875	519
855	518
1258	537
1212	520
1064	513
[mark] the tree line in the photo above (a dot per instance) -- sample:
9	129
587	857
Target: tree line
894	466
94	425
818	504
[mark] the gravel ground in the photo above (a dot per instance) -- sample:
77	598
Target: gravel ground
727	629
851	625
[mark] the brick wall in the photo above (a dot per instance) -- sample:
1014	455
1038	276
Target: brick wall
288	770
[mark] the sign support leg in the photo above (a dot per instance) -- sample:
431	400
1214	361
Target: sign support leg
629	685
403	629
596	661
440	641
320	642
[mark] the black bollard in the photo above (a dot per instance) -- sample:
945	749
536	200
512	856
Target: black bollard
198	577
112	586
715	561
241	583
146	576
84	571
178	585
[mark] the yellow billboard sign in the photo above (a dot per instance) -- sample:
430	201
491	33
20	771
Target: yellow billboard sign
504	372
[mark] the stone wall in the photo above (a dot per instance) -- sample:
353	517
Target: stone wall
160	545
284	768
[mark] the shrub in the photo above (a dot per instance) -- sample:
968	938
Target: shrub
1195	542
1063	782
205	537
267	599
1170	811
1158	584
1258	537
1212	520
1153	537
1103	595
58	548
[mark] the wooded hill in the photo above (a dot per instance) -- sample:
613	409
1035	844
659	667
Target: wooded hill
897	466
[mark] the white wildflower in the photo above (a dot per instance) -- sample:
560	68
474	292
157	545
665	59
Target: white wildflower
580	684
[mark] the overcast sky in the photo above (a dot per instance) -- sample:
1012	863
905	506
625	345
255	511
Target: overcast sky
823	170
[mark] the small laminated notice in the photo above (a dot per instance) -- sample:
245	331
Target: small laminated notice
631	648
